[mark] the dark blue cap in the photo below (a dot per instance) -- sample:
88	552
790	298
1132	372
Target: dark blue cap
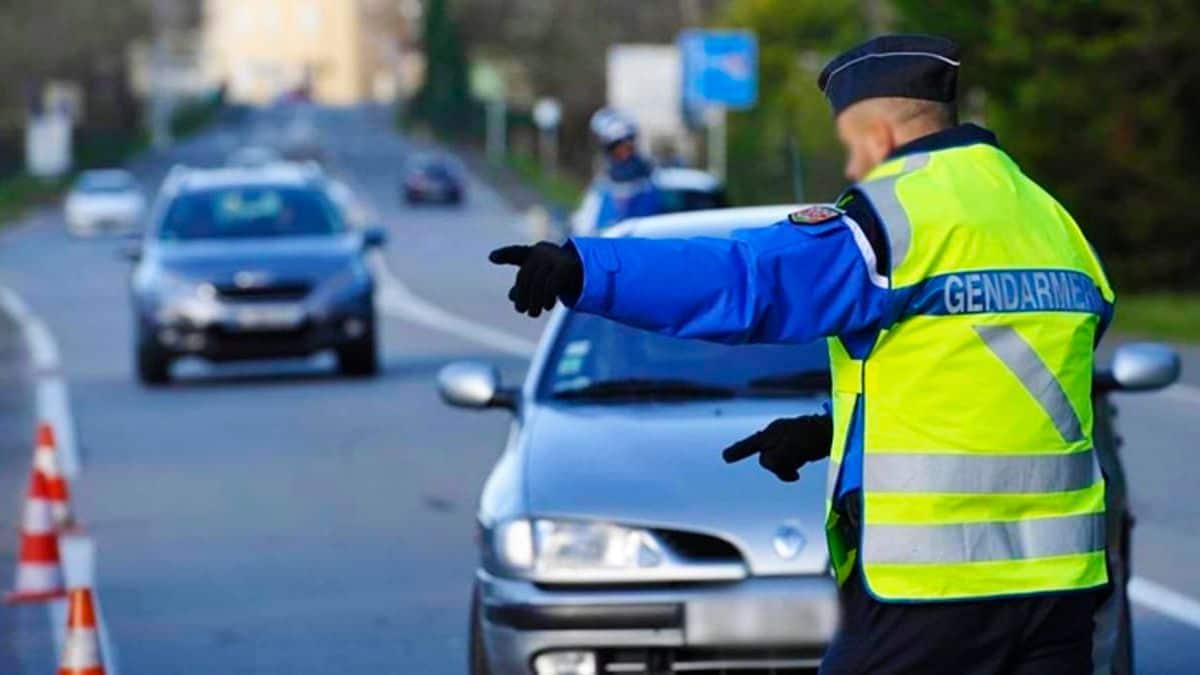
906	66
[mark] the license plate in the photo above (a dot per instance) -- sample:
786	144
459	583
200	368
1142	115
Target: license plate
762	620
267	317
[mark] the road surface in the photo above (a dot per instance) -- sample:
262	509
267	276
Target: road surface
277	519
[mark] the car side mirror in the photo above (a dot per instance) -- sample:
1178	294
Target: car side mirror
374	237
472	384
1144	366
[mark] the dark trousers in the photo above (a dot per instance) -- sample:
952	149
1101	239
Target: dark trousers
1042	635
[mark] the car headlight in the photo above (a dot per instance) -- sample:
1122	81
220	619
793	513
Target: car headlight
580	551
187	300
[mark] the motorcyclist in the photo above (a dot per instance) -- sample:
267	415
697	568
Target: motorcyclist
626	187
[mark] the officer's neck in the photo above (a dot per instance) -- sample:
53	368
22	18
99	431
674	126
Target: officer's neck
947	137
916	130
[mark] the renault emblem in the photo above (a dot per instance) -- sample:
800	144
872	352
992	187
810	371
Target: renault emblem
788	541
251	279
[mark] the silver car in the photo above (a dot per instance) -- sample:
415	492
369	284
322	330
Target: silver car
614	538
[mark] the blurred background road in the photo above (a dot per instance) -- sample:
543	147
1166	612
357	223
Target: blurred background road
277	519
280	519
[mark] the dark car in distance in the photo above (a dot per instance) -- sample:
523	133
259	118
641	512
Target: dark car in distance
251	263
434	178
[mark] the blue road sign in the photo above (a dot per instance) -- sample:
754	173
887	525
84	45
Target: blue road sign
719	68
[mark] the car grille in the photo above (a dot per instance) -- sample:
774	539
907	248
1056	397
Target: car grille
697	660
273	292
699	547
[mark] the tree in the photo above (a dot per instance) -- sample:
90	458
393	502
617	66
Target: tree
562	47
1099	100
444	98
785	144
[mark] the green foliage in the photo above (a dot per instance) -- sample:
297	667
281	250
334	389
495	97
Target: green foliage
21	191
1164	316
786	143
192	116
444	98
1099	100
557	189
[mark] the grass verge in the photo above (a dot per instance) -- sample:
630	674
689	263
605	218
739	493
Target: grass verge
557	189
1165	316
22	191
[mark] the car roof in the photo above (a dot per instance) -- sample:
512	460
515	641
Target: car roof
281	174
679	178
707	223
118	177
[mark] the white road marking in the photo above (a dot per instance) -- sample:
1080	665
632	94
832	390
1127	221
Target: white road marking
397	300
50	392
1165	601
53	405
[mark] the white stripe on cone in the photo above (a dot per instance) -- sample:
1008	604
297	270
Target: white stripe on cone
82	650
44	460
38	577
39	517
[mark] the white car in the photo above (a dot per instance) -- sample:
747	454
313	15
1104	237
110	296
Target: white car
107	200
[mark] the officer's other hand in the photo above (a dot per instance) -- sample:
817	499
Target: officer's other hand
547	272
786	445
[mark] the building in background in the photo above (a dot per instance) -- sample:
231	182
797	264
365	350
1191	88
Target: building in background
336	51
644	81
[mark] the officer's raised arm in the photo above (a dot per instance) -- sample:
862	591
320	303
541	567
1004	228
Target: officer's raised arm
810	276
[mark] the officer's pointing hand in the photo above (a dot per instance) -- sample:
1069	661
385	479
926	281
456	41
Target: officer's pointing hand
786	445
547	272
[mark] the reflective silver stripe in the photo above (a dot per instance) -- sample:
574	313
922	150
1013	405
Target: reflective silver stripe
882	195
972	542
1020	358
831	476
977	473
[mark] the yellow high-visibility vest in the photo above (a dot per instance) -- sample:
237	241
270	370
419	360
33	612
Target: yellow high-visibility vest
975	422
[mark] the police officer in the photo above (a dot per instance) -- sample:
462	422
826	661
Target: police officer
962	304
626	189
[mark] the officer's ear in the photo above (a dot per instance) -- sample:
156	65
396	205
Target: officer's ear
867	136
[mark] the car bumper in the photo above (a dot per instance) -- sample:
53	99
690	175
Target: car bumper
757	623
225	341
106	220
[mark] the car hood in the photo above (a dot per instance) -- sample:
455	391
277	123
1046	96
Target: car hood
293	258
660	465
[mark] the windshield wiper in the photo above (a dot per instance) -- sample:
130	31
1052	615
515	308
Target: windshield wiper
646	388
802	380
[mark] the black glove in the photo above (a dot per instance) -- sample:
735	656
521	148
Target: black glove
786	445
548	272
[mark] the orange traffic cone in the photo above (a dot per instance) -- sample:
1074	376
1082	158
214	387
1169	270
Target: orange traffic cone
81	652
45	460
39	569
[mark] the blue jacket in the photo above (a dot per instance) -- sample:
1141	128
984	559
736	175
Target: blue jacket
787	283
626	191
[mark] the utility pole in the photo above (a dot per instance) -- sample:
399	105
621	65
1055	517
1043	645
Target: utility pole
160	104
714	118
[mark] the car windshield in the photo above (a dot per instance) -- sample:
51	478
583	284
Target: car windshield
433	164
692	200
595	358
247	212
104	181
